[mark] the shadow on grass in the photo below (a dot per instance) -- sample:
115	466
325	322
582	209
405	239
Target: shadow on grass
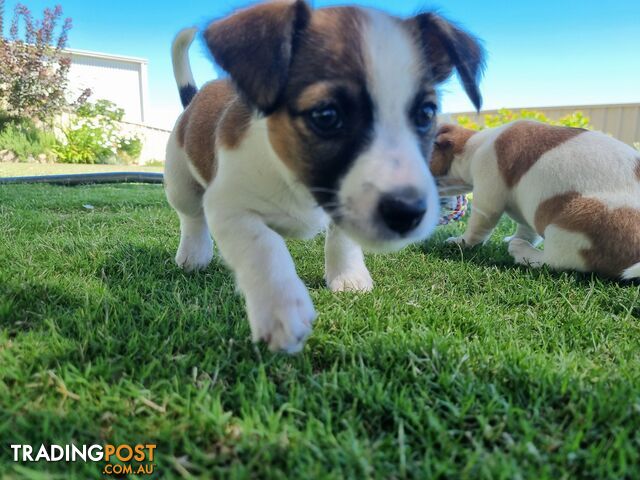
315	282
154	264
157	265
24	307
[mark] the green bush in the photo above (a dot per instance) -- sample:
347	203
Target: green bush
504	116
25	140
154	163
130	149
84	143
95	136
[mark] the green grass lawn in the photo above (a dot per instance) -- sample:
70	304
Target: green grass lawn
458	365
29	169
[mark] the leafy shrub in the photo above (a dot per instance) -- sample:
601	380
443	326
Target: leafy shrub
101	108
504	116
33	67
154	163
25	140
95	136
130	148
85	142
5	119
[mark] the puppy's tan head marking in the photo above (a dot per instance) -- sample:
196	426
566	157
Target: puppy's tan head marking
451	140
614	233
520	146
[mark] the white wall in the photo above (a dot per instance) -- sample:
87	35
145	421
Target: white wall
118	79
154	141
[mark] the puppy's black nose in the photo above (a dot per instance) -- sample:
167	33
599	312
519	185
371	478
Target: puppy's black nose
402	212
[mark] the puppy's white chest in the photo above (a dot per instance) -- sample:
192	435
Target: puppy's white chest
297	224
254	178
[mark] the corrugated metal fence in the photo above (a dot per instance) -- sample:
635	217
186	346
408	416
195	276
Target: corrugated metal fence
621	120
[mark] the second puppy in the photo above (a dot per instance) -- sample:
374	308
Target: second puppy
578	189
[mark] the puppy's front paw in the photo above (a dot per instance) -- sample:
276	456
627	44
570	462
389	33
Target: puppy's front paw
193	263
351	281
282	317
195	255
457	241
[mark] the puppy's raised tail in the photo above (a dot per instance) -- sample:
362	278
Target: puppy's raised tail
182	67
632	272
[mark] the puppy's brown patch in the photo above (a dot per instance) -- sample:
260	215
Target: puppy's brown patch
520	146
216	112
614	233
234	124
638	168
451	140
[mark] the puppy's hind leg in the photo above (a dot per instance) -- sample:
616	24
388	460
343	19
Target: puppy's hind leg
185	196
524	253
345	270
526	233
480	226
563	249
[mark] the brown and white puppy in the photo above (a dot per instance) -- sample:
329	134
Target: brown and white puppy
579	190
327	122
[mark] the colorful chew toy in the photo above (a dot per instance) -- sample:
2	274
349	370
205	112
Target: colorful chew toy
453	209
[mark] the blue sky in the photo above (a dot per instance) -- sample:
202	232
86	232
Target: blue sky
541	53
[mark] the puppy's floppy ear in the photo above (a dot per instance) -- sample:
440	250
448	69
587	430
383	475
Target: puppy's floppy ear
443	151
443	143
446	46
255	47
444	138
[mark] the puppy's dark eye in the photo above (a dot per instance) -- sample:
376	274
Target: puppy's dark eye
325	121
424	115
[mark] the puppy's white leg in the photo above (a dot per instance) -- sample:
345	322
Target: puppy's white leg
345	270
563	249
525	253
481	224
196	247
185	196
526	233
278	304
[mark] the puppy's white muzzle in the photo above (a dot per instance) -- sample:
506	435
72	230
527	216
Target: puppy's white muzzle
389	199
